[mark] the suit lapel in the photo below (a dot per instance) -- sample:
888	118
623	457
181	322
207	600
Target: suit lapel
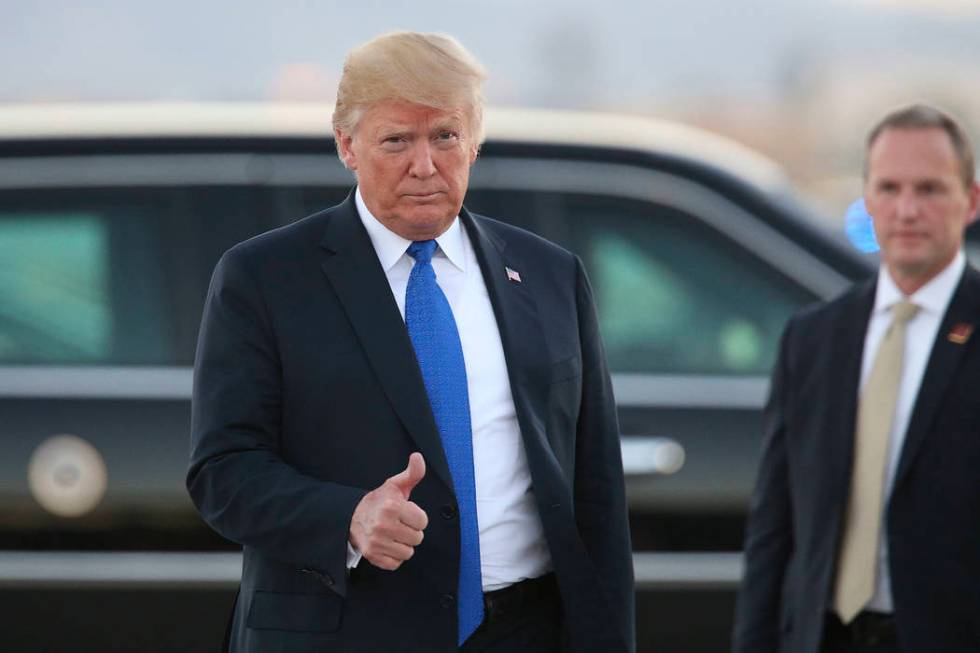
848	343
521	335
354	272
964	309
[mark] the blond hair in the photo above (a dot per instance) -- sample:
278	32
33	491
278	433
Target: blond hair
432	70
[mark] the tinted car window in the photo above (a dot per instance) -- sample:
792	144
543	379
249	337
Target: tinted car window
112	276
81	282
674	296
89	275
53	307
295	202
525	209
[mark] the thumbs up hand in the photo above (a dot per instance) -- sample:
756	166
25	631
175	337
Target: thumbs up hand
386	526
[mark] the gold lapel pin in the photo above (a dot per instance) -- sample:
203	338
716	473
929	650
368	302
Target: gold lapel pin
960	333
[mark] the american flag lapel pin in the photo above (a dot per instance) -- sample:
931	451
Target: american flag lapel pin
513	275
960	333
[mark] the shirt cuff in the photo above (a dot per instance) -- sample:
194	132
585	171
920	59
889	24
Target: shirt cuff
353	556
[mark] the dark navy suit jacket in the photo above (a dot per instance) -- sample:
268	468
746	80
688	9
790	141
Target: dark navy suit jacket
307	395
933	512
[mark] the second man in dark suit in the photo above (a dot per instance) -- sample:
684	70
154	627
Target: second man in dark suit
864	529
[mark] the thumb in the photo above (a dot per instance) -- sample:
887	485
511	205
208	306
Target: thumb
407	480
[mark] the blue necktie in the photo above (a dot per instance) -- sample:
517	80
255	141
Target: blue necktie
434	336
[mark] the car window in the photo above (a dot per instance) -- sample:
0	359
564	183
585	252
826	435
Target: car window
673	295
118	276
519	208
53	287
81	285
111	276
295	203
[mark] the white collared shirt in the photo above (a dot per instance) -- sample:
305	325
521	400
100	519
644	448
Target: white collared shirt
920	334
512	544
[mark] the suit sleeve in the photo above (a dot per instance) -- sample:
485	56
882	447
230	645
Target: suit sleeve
600	492
237	478
769	528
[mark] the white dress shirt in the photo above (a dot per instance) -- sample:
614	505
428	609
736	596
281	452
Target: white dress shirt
920	333
512	544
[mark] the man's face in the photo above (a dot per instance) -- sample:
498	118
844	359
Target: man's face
918	202
412	164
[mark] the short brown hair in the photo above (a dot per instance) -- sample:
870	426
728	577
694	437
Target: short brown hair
924	116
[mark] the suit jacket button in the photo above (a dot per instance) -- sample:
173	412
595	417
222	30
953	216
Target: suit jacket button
447	600
448	511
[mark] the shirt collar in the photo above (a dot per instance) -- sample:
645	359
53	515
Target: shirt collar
933	297
390	247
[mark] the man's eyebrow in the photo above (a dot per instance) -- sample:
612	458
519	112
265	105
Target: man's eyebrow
447	121
884	181
389	127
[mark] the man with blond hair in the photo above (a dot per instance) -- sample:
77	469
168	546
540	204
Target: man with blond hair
402	410
864	530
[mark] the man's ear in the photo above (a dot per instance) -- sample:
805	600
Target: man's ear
474	153
344	142
974	203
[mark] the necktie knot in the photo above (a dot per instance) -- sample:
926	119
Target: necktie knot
422	250
904	311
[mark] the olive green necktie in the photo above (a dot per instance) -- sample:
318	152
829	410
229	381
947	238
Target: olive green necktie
856	561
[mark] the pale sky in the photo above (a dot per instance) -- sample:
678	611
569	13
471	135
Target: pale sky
559	53
948	7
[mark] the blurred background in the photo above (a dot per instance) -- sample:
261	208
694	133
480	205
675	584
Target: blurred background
107	241
800	81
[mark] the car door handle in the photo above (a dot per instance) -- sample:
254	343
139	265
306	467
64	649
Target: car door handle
648	454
